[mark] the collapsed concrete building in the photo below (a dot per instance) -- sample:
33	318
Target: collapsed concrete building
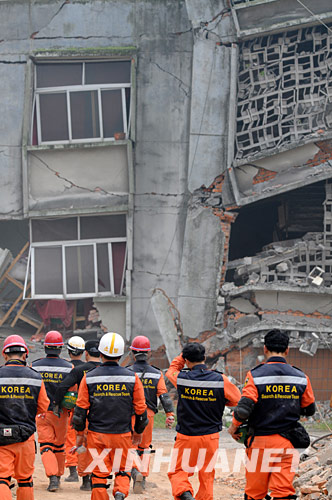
171	162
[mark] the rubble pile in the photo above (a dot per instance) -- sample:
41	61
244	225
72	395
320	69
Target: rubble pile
323	413
314	478
288	261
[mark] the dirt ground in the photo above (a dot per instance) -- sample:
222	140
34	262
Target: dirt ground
228	485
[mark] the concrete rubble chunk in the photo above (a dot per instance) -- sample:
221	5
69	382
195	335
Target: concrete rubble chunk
328	487
314	475
325	456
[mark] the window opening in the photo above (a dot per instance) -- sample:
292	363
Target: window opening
78	257
79	102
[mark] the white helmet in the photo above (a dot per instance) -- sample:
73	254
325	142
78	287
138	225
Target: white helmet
76	345
111	344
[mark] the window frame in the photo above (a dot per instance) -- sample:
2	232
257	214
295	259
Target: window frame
77	243
67	89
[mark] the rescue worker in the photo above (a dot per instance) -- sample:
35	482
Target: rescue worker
52	429
202	396
154	387
274	397
107	396
75	347
92	357
23	395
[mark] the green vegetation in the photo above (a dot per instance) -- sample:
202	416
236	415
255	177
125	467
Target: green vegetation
159	420
319	426
88	51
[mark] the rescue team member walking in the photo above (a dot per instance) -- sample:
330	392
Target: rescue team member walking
51	428
202	396
154	387
23	395
108	396
92	357
274	396
75	347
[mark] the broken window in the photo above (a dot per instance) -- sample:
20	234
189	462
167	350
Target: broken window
81	101
282	239
284	90
78	257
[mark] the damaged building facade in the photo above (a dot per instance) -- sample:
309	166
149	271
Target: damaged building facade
170	161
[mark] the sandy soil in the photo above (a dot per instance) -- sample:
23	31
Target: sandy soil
228	486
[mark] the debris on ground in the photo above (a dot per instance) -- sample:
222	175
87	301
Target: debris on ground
314	478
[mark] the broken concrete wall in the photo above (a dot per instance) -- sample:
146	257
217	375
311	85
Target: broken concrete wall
112	315
200	270
181	188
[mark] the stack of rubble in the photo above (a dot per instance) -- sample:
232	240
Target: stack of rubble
314	478
289	261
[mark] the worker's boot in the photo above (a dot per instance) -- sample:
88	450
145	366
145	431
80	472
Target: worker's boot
86	483
73	476
119	496
137	478
186	496
54	484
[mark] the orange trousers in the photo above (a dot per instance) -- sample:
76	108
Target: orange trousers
51	437
98	442
71	459
17	460
270	453
145	444
188	459
84	459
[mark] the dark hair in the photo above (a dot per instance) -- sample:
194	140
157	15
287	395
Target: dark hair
15	354
194	352
276	341
53	350
110	358
91	347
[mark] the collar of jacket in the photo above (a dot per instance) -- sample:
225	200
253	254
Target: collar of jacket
276	359
201	366
17	362
110	363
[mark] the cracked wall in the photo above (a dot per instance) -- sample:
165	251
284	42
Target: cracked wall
174	178
57	177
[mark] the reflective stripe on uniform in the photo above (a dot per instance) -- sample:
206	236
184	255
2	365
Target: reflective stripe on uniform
280	379
21	381
200	383
149	375
110	378
60	369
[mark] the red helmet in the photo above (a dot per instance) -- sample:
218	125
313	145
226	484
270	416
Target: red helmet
140	343
14	343
53	339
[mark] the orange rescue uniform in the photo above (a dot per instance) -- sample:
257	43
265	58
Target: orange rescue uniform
52	429
144	447
260	476
99	441
71	458
202	396
17	459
